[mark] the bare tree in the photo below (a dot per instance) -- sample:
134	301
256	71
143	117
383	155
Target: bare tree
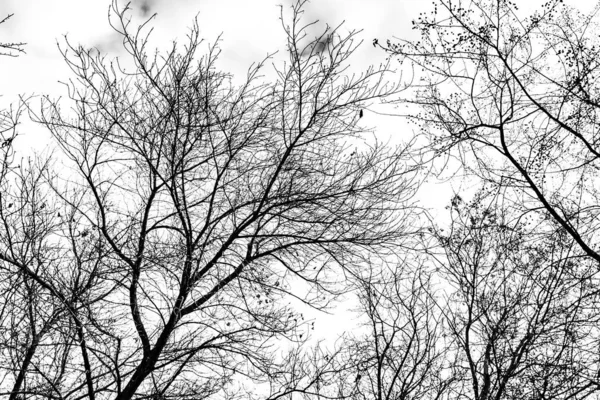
402	353
522	307
323	373
29	310
188	217
510	100
514	99
47	274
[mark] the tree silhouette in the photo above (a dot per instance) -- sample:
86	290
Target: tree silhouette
513	98
402	353
521	307
509	100
188	218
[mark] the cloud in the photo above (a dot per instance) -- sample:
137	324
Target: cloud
110	44
145	7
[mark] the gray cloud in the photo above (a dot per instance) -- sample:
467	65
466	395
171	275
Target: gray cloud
146	7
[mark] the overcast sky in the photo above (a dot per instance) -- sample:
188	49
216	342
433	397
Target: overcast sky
251	29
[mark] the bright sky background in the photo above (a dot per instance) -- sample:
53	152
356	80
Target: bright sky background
251	29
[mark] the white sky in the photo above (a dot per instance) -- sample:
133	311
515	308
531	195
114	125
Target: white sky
251	29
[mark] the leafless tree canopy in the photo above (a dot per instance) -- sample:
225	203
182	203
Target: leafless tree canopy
509	100
189	214
171	244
